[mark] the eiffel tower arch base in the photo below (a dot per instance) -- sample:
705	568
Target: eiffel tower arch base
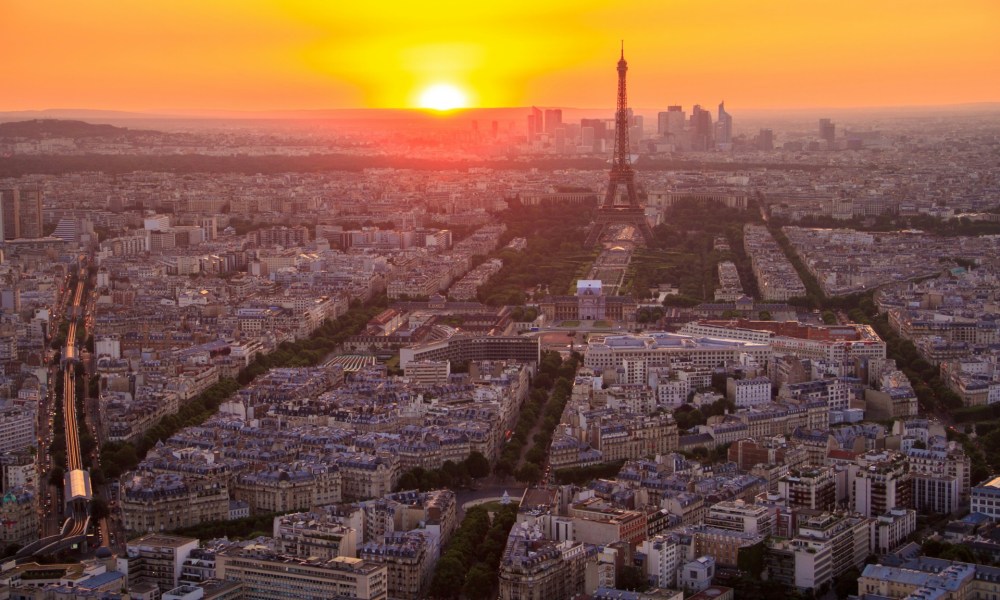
609	217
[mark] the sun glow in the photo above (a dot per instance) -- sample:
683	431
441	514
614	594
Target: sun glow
443	96
267	55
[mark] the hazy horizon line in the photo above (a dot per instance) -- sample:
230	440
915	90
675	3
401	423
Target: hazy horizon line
291	112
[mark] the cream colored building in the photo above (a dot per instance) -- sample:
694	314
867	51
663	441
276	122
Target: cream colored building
283	491
19	517
366	476
409	559
267	575
659	349
314	534
155	502
156	559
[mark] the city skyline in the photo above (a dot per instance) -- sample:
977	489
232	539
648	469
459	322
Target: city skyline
358	351
303	55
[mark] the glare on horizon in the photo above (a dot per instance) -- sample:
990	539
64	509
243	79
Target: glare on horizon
308	54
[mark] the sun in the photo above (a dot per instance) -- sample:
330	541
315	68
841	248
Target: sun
442	96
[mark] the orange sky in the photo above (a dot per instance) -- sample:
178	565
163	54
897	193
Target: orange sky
289	54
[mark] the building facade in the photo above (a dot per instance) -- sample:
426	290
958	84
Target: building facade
267	575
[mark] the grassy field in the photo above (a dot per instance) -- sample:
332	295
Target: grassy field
693	272
496	505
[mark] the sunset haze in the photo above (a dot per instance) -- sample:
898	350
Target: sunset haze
270	55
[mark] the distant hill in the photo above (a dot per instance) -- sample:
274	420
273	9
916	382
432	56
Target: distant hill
59	128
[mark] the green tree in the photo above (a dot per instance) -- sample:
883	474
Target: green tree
529	473
750	559
477	465
478	583
503	468
408	481
542	381
846	584
581	475
631	578
99	509
56	476
933	547
958	552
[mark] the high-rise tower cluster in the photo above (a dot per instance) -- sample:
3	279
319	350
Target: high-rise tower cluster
696	132
20	213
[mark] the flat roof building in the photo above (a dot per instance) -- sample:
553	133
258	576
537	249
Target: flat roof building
267	575
985	498
157	559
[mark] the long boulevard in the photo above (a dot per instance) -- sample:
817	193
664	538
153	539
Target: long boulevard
77	480
74	463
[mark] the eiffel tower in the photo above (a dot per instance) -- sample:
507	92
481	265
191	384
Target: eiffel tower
610	212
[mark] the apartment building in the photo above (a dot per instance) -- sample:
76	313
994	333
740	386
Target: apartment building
285	490
314	534
879	481
815	488
267	575
737	515
155	502
409	559
156	559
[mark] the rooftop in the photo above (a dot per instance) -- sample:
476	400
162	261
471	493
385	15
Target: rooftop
992	483
162	539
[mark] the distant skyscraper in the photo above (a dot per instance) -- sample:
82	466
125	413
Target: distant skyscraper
765	140
827	131
635	131
598	132
553	120
10	209
661	123
671	122
723	126
701	128
559	135
21	213
31	214
535	124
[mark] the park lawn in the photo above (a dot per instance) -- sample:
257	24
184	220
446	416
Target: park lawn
496	505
